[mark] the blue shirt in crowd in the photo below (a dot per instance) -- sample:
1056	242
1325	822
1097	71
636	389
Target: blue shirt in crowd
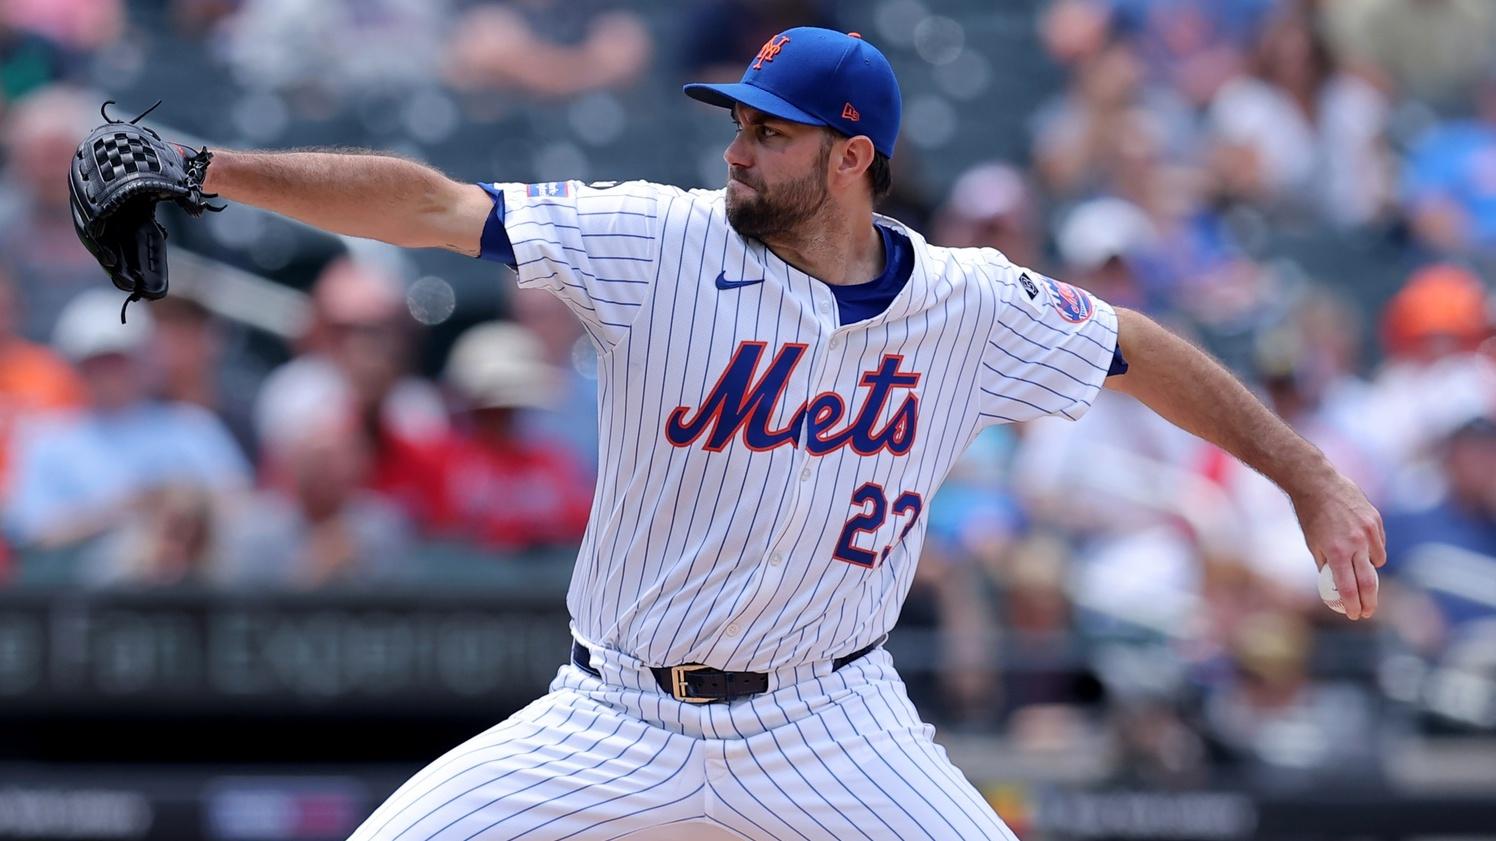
72	466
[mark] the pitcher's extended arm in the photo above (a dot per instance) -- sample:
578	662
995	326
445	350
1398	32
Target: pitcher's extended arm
362	194
1194	392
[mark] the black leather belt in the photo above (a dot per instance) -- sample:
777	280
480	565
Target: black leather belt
694	683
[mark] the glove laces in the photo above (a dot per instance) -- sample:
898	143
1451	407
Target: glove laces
196	167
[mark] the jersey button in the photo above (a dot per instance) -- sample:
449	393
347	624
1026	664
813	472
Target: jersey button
805	475
825	306
732	630
835	342
776	559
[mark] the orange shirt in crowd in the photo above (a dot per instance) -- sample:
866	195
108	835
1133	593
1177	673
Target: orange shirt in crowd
32	380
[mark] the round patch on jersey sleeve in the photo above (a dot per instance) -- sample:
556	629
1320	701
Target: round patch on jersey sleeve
1074	305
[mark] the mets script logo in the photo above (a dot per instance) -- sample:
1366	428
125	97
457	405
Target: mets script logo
1073	305
744	400
770	49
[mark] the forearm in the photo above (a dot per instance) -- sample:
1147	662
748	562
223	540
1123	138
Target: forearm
358	194
1194	392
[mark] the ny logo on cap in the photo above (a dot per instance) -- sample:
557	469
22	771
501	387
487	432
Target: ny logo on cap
770	49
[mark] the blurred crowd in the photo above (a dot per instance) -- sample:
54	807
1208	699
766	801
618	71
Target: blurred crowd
1118	563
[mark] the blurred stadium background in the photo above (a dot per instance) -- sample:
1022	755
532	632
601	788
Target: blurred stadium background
290	536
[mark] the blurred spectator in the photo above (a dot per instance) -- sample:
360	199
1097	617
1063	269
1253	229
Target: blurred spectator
487	485
1274	723
37	239
972	526
1075	31
1100	242
1158	744
335	48
977	515
1193	46
81	26
1449	180
315	525
947	617
719	33
27	62
571	421
1307	367
1055	685
1300	133
547	48
78	474
194	369
357	353
1433	378
169	541
1430	50
1162	249
1442	557
1124	485
33	379
1440	311
194	18
991	206
1103	132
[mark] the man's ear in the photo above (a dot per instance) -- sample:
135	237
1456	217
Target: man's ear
851	164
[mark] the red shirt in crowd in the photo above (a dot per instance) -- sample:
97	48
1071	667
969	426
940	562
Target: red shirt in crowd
510	496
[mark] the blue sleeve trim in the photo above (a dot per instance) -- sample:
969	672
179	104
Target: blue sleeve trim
1119	363
494	244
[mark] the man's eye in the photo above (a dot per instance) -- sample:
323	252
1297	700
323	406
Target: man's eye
765	131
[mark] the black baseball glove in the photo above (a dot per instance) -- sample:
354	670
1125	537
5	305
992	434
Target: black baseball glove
120	173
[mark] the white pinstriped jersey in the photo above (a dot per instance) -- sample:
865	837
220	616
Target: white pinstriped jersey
764	469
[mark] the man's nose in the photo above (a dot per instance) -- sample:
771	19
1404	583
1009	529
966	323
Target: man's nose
736	154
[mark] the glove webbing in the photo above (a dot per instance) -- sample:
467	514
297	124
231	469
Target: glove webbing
197	173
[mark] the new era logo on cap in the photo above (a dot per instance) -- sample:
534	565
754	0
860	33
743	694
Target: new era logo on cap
850	113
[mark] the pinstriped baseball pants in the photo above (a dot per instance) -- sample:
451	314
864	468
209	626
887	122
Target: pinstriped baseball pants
830	756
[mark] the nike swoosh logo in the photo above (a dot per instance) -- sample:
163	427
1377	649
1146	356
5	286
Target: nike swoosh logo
724	283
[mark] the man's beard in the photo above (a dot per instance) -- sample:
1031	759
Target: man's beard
773	213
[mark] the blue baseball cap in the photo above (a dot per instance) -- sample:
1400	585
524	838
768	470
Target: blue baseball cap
820	77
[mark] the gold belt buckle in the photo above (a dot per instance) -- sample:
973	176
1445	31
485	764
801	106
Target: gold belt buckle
678	688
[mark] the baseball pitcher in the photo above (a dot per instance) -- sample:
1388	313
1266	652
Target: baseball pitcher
785	379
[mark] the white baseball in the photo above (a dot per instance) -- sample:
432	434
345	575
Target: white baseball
1331	594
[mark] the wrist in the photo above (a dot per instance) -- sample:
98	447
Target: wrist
1309	478
213	176
232	173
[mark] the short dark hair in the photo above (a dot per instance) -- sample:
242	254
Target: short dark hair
880	171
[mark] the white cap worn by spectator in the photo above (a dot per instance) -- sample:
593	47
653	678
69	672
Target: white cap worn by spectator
89	326
1101	229
500	364
991	206
987	191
